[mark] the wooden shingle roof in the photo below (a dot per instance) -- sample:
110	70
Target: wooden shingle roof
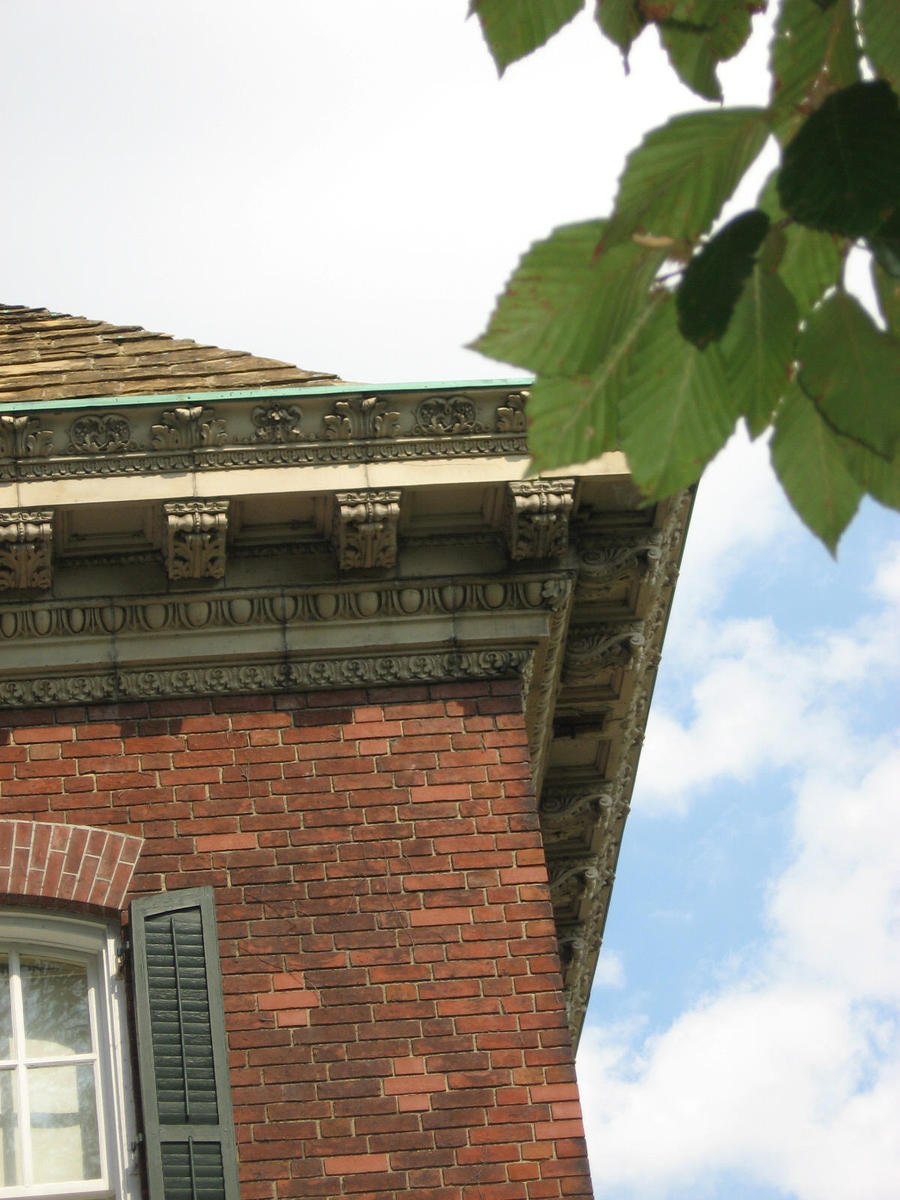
49	356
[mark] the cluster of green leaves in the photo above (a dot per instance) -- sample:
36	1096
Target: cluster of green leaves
655	332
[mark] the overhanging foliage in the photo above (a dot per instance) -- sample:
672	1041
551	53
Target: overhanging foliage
761	327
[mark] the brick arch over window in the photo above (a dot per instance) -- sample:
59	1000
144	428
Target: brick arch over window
66	862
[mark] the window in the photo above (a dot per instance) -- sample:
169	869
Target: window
65	1126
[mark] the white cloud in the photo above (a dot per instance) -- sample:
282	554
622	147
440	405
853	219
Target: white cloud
787	1073
610	972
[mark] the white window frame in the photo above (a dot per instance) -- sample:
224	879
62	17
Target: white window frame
95	943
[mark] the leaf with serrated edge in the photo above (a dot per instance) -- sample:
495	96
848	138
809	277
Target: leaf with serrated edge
513	28
676	410
758	347
880	25
621	21
878	476
714	278
811	261
813	53
809	462
573	419
565	308
851	369
675	183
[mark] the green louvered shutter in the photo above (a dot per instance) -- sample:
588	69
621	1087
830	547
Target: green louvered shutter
182	1053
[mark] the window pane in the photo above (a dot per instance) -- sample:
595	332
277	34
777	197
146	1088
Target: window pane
9	1137
5	1011
55	1000
64	1141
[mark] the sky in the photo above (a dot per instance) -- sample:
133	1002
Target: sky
345	185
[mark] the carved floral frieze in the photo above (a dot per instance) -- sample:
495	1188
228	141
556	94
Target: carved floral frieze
188	427
23	436
100	433
361	417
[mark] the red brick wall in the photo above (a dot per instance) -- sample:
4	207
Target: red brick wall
392	988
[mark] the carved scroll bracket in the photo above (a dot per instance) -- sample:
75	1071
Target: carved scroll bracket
537	517
26	549
195	538
364	530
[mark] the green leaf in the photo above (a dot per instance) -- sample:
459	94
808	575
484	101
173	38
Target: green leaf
887	289
880	26
851	370
675	183
813	53
885	245
621	21
758	347
809	461
676	411
565	308
878	476
696	49
841	172
811	261
575	418
715	277
513	28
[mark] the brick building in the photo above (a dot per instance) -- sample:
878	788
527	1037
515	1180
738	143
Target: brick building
318	726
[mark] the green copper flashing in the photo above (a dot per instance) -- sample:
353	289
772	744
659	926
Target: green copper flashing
333	389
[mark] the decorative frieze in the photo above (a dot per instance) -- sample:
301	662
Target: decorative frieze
609	564
443	416
537	517
195	538
230	678
188	428
361	417
100	433
364	529
23	436
511	413
26	549
276	424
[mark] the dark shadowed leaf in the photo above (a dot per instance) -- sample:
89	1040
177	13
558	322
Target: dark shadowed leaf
576	418
513	28
814	52
564	309
887	289
621	21
676	411
880	24
851	370
841	173
715	277
675	183
809	461
758	347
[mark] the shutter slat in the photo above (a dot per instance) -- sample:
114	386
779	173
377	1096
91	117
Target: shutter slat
182	1051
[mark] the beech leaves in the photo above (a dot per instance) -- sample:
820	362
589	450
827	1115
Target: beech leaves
654	331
